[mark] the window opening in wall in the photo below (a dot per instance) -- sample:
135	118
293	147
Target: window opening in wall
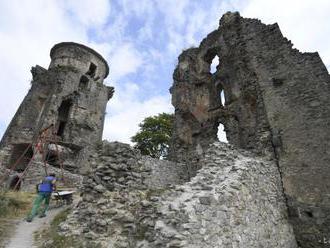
63	116
222	97
91	70
17	151
83	83
214	64
222	133
13	182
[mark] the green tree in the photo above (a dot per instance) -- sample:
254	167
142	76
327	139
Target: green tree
154	135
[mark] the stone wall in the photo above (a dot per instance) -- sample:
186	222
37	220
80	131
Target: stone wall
117	193
235	200
276	104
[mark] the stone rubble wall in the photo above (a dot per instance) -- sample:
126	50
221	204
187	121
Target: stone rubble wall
163	173
117	197
234	201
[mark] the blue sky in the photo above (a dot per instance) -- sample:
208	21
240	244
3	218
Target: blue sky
141	40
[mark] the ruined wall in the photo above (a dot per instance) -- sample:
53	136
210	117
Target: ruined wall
69	95
276	104
235	200
115	209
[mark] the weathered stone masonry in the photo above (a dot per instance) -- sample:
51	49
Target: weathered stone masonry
213	194
276	103
71	96
129	201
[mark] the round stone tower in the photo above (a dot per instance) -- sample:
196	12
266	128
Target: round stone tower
80	57
70	96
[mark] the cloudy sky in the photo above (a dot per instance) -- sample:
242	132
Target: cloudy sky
140	39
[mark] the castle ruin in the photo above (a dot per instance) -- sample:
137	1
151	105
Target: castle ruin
269	187
276	104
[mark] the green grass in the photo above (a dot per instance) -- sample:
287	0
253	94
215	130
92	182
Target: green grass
15	204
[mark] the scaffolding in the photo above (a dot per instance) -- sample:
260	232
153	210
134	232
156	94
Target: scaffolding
40	145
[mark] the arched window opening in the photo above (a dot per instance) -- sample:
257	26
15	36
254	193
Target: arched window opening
63	116
222	133
214	64
17	151
220	94
83	83
222	97
92	69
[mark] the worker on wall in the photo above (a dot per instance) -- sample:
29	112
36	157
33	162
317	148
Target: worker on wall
45	189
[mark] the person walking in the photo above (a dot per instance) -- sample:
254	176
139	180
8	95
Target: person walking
45	189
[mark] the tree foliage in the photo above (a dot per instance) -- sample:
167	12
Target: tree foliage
154	135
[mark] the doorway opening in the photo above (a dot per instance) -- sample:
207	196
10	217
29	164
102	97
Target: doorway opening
17	151
63	116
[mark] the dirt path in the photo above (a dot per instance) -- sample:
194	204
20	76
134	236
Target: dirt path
24	233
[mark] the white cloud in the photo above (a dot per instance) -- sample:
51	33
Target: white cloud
187	22
141	8
174	12
305	23
125	111
124	59
28	30
88	12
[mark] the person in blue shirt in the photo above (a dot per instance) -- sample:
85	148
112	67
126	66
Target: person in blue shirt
45	189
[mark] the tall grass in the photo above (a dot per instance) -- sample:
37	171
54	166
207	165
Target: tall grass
14	204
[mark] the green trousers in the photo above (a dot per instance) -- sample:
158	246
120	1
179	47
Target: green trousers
42	196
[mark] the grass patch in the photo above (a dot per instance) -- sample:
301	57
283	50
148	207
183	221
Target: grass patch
51	234
13	205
